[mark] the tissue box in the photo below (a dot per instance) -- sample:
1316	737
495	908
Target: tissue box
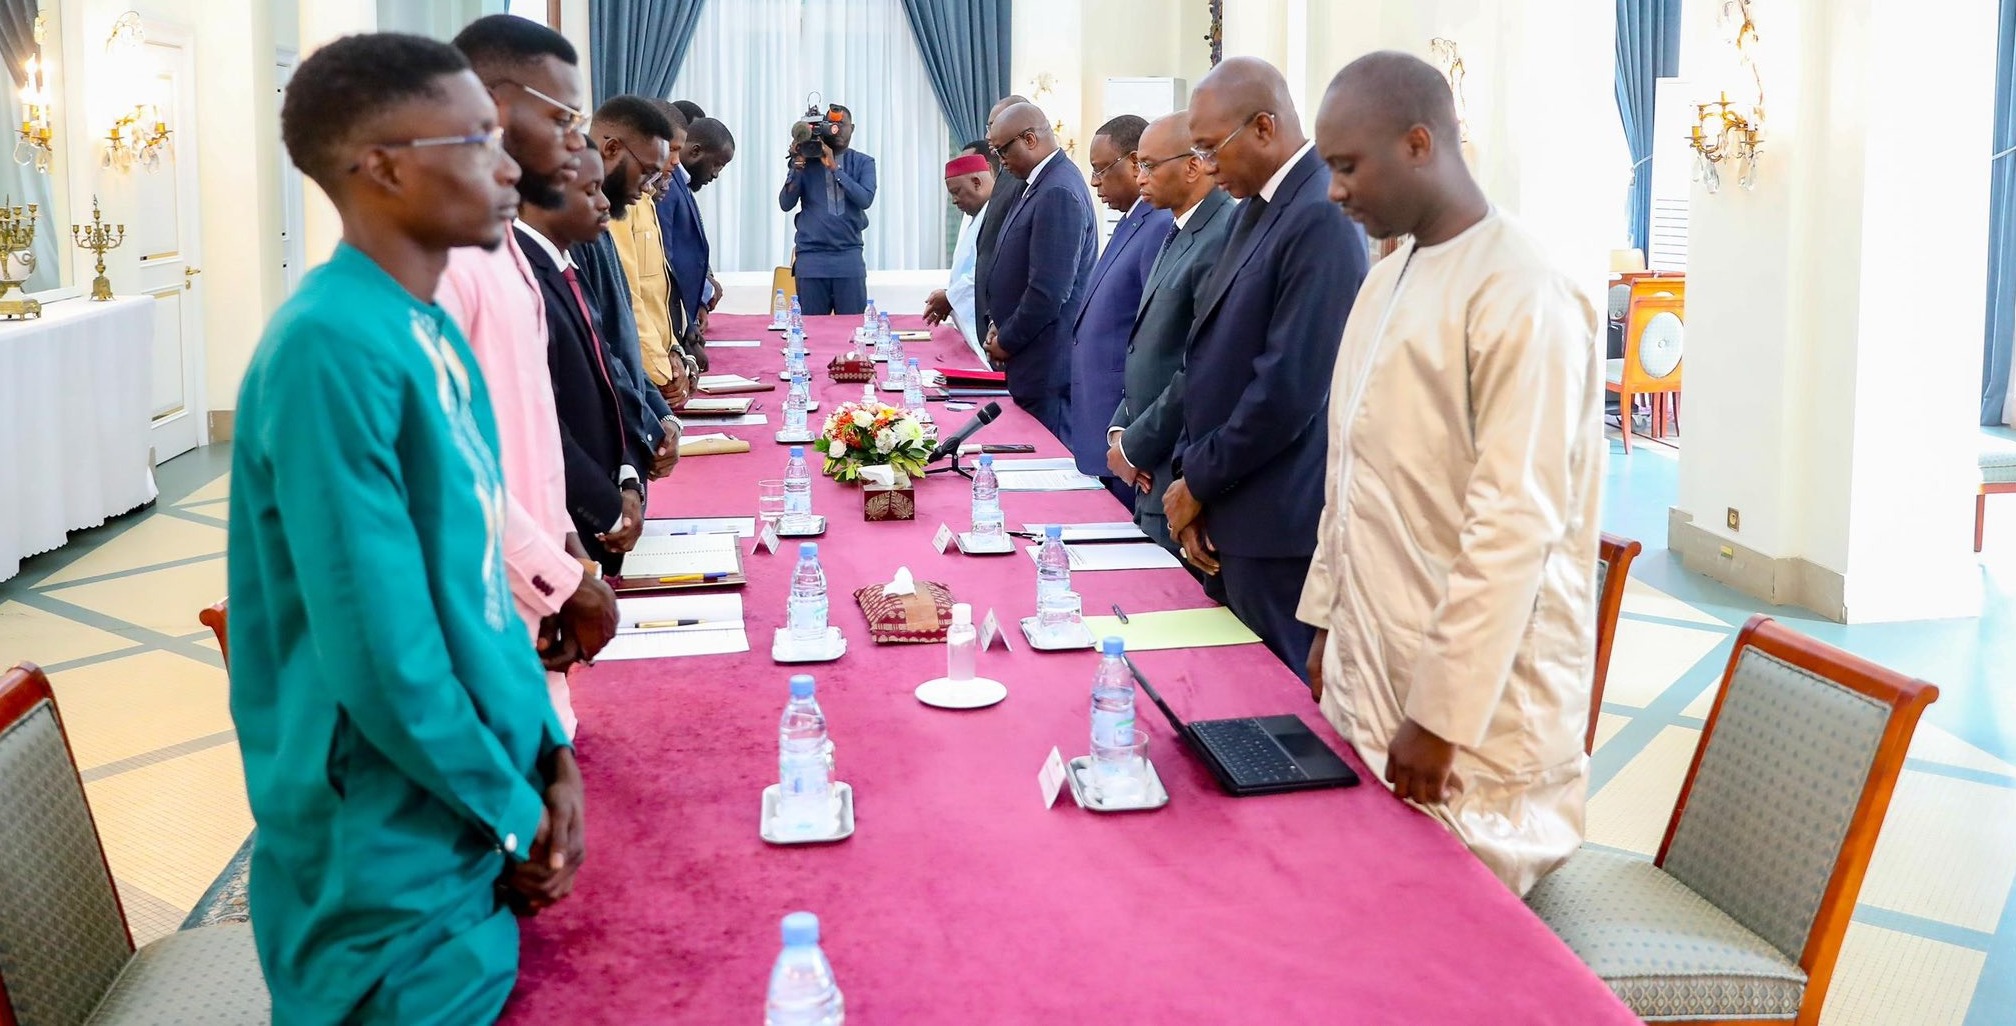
852	367
887	502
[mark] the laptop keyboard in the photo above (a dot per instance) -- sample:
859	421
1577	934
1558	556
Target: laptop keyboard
1248	752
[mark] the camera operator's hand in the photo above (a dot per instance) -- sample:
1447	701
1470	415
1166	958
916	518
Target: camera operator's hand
826	156
797	162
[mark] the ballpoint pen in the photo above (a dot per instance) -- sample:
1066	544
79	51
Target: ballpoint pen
1121	614
647	625
691	578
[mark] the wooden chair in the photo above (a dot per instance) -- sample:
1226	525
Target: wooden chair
216	618
1613	572
1998	474
1654	333
66	952
781	280
1740	917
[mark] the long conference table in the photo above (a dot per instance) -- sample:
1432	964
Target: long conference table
960	898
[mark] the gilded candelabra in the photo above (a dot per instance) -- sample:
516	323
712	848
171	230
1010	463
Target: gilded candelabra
1726	131
17	240
99	237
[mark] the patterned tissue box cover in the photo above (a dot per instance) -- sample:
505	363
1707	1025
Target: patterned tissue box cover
914	619
851	367
881	503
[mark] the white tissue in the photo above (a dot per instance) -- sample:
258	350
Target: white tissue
879	474
901	584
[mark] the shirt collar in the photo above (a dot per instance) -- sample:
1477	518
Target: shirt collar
1281	173
554	253
1184	217
1037	171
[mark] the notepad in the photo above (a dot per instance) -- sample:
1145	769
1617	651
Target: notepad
741	527
670	555
721	630
723	406
1138	556
710	445
721	384
1115	531
1044	480
1175	628
745	420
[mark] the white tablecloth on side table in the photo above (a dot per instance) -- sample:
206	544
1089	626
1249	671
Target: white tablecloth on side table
76	402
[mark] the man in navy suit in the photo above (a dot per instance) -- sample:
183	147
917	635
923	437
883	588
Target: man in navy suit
1041	264
1099	337
1250	468
709	148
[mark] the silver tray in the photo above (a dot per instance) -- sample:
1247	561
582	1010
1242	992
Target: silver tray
1041	644
841	791
1081	791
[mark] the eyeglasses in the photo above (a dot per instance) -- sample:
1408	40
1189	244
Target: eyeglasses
576	120
491	139
1099	173
1002	150
651	178
1149	164
1209	154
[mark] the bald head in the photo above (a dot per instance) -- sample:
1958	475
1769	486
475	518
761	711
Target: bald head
1021	135
1170	176
1388	131
1241	112
1004	103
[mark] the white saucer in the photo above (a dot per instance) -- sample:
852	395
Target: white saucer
973	546
978	693
783	650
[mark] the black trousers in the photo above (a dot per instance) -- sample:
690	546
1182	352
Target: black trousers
1263	593
1053	412
820	296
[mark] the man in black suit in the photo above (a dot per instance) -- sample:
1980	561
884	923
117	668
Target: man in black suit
1007	189
1256	389
1042	263
1149	422
605	494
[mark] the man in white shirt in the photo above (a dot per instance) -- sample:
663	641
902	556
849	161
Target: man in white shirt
970	181
1453	585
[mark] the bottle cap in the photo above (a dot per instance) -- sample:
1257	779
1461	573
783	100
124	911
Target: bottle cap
986	459
1054	531
801	930
1113	646
797	452
801	686
913	361
962	614
808	550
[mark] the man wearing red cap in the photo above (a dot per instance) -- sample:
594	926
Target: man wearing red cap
970	180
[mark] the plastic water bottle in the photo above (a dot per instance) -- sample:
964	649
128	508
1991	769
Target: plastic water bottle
1112	695
913	386
987	500
899	361
795	402
797	486
962	644
889	343
802	991
868	315
797	317
794	350
804	767
1053	581
808	596
780	310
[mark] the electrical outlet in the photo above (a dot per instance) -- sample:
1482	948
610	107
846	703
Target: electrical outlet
1728	552
1735	519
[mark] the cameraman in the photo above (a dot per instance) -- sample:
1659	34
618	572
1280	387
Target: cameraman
832	185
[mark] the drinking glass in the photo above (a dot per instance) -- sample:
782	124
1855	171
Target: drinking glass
1120	772
770	501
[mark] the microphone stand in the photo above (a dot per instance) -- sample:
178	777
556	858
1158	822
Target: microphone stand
952	468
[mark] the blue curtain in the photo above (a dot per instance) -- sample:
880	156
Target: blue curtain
636	46
1648	49
965	47
2001	227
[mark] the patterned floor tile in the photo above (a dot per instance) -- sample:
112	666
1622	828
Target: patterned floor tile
1649	657
153	540
128	707
148	917
161	600
45	639
1935	744
1645	600
1887	978
1631	811
218	489
170	827
1947	852
1607	726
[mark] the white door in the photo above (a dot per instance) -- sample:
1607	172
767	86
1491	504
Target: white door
168	238
293	212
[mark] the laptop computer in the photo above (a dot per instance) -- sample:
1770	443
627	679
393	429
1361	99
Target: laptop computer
1259	754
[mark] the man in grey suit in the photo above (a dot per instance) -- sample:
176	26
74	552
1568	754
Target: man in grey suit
1149	420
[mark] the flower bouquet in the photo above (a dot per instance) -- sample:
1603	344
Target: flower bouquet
871	434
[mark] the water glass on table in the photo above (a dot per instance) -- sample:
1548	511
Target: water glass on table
1059	615
770	501
1120	770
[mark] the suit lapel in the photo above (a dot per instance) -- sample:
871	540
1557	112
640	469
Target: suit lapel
1116	251
1256	239
556	283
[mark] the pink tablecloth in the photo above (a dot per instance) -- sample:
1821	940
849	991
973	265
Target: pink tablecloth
960	898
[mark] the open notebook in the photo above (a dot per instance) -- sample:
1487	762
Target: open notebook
666	562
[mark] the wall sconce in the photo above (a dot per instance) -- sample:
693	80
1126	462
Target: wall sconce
36	143
1450	63
1043	85
139	136
1730	131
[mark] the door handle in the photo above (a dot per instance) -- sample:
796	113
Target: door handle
188	273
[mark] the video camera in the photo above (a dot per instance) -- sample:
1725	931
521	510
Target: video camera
816	130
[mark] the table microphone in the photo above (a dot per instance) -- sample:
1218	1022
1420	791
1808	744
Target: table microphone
948	446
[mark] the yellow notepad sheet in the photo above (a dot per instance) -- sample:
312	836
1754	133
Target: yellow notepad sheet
1175	628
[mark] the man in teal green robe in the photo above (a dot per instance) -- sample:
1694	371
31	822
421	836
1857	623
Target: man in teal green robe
409	778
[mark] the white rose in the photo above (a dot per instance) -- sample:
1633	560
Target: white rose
862	418
910	430
885	440
836	448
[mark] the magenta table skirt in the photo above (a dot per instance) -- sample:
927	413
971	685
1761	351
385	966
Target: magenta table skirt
960	898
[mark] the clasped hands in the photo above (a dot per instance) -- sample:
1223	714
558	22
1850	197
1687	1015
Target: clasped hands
547	874
1420	765
1186	524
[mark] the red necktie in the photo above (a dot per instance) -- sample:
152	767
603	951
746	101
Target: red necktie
595	343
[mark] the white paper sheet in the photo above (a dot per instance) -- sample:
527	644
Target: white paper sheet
1002	466
667	555
733	343
1118	530
1045	481
722	631
730	405
745	420
741	527
1091	558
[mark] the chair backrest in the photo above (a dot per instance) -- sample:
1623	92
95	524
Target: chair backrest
1658	307
218	618
781	281
1782	804
1613	572
63	937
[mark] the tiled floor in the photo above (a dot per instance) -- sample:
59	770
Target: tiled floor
113	617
